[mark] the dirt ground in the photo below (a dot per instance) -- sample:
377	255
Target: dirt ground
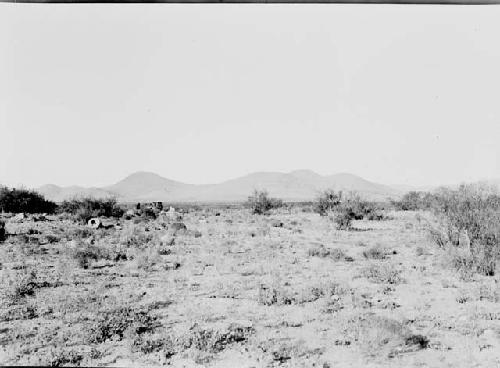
241	290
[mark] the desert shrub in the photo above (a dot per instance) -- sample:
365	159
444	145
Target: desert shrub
84	255
321	251
327	201
149	343
376	252
476	210
113	323
260	203
382	273
19	284
23	200
146	259
346	208
216	339
343	218
277	294
85	208
414	201
136	236
362	209
382	336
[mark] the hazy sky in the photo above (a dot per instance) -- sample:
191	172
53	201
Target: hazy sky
204	93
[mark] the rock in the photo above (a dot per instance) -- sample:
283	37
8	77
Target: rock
94	223
19	217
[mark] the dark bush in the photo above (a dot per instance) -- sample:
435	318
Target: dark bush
86	208
414	201
260	203
23	200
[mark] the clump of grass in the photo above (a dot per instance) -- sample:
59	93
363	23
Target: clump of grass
382	336
375	252
136	236
321	251
385	273
148	343
86	254
216	339
20	284
147	259
276	294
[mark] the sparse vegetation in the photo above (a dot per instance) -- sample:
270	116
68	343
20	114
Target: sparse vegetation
157	291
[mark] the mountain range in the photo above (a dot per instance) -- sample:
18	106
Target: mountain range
299	185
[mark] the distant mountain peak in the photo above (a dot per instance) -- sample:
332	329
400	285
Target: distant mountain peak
304	172
296	185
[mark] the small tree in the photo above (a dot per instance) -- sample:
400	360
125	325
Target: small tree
260	203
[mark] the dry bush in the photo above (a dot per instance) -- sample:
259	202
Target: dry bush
476	210
113	323
343	219
327	201
214	339
260	203
321	251
384	273
85	254
85	208
18	284
375	252
381	336
277	294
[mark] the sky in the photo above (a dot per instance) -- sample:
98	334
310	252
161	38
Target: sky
398	94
